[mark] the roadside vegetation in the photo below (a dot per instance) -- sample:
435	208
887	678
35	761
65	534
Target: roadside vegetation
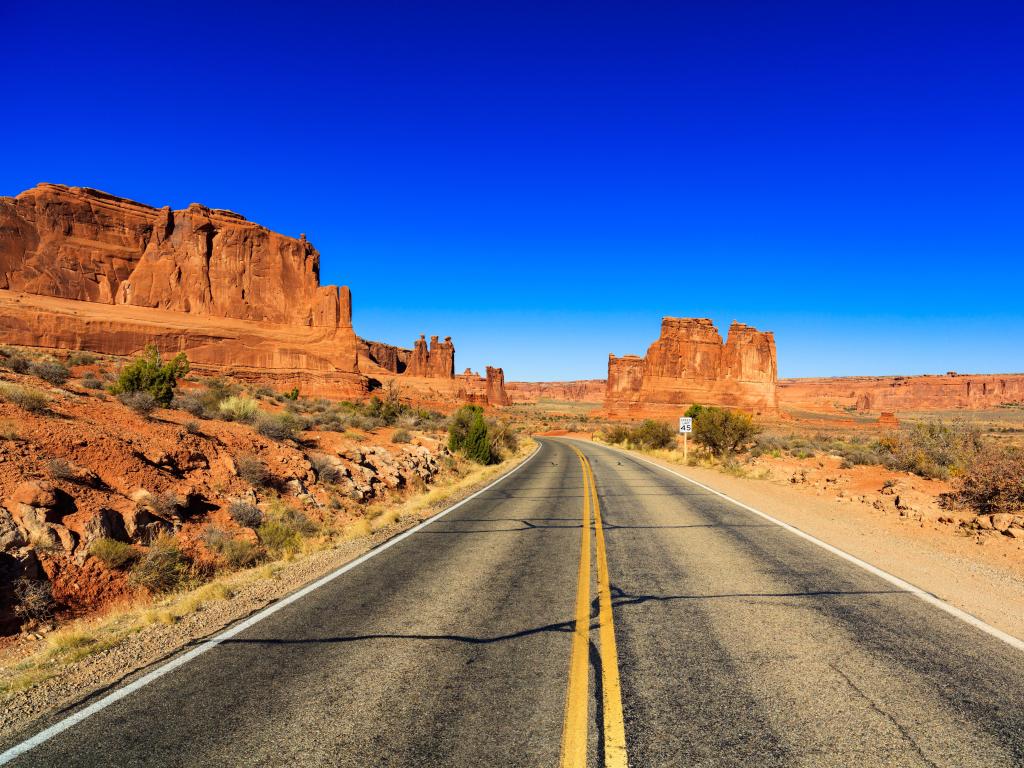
485	441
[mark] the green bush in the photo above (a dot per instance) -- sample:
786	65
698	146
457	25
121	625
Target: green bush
293	394
468	435
114	554
16	362
162	568
50	371
723	432
653	434
148	373
31	400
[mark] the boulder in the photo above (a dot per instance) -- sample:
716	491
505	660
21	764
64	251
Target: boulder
1001	522
35	493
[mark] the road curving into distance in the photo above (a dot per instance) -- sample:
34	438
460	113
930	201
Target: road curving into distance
588	609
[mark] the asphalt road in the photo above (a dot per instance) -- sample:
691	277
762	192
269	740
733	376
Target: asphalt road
733	641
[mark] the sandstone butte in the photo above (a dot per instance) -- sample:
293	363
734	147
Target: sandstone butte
82	269
690	364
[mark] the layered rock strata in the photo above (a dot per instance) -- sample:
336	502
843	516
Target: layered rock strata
690	364
81	269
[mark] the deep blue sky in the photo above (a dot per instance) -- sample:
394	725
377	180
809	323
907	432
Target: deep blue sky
544	181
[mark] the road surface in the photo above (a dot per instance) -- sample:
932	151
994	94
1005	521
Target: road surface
698	634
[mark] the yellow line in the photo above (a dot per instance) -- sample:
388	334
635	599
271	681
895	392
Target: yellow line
614	724
574	728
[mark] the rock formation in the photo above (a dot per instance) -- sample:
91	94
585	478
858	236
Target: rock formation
435	362
580	391
81	269
386	356
903	393
496	394
690	364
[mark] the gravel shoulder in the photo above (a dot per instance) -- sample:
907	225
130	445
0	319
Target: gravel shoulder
981	574
250	591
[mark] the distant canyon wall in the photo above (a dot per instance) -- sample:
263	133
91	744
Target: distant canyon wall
689	364
581	391
952	391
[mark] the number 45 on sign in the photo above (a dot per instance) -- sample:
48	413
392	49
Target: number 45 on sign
686	427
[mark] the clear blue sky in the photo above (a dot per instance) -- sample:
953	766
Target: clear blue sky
544	181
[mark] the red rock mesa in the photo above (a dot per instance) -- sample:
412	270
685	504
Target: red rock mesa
904	393
690	364
81	269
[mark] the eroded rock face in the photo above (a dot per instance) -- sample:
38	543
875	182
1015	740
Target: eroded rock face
496	394
434	362
83	244
690	364
81	269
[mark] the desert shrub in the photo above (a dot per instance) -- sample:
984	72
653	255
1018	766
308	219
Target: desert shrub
59	469
503	437
193	428
992	482
616	434
143	403
468	435
28	399
191	403
401	436
241	553
277	426
326	470
239	408
50	371
235	552
80	358
89	381
148	373
162	568
292	394
652	434
694	411
932	448
16	362
722	431
283	529
166	504
252	470
245	514
112	553
389	407
33	599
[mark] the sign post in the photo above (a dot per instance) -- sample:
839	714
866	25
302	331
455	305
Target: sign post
686	427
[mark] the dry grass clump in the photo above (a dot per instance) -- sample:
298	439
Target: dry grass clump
283	529
325	467
253	471
239	408
26	398
245	514
33	599
163	568
992	483
113	554
50	371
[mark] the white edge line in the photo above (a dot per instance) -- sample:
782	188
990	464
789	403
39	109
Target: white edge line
927	597
71	720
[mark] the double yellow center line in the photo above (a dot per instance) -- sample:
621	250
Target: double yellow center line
577	720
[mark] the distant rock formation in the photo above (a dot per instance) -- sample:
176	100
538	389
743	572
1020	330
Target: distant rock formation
387	356
496	394
435	362
82	269
690	364
904	393
580	391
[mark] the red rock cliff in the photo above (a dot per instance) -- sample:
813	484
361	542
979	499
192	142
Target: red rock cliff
496	394
690	364
83	244
83	269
